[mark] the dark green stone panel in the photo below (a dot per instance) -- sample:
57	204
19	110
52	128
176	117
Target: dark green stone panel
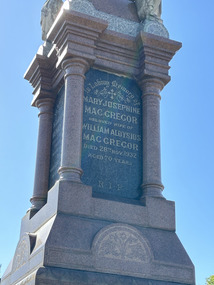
112	135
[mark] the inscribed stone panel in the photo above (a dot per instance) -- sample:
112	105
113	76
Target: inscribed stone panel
112	141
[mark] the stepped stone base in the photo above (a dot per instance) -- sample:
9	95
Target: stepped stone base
57	276
79	239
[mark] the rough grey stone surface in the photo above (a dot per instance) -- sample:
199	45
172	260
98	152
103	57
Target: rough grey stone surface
120	8
122	16
154	27
115	23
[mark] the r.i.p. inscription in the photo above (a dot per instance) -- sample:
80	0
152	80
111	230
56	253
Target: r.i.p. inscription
112	135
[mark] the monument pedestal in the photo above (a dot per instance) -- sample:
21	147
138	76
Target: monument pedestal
79	239
98	86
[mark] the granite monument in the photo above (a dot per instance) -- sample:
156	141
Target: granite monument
98	213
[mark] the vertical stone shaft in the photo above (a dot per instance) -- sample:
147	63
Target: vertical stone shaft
70	168
43	153
152	185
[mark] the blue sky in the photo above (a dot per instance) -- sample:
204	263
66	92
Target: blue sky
187	131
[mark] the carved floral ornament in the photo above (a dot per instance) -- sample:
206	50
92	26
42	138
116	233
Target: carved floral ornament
22	252
121	242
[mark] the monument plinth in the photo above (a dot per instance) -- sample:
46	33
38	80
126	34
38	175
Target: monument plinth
98	213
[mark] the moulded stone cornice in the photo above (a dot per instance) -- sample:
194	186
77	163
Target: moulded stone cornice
75	34
37	62
155	53
80	19
163	43
41	74
79	35
58	74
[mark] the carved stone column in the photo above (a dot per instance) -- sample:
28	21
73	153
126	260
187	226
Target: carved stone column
70	168
155	54
43	153
152	185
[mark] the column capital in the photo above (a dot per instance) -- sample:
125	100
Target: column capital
75	66
45	105
151	86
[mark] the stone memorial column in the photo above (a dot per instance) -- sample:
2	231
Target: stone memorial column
70	168
152	185
43	153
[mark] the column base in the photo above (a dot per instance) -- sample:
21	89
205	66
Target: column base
37	204
70	174
152	190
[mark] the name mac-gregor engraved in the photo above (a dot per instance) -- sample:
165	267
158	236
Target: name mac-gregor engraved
111	143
